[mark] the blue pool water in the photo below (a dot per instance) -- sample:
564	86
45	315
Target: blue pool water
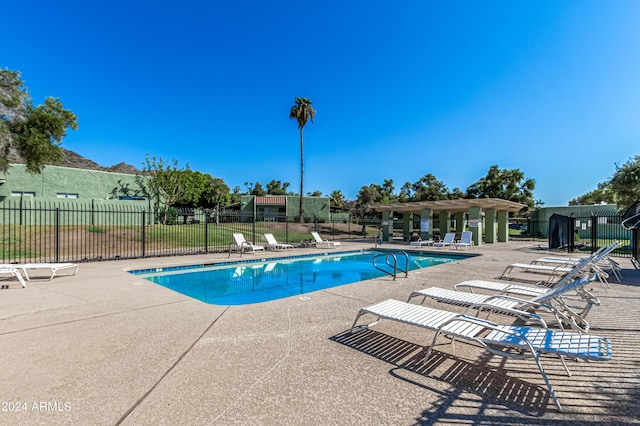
240	283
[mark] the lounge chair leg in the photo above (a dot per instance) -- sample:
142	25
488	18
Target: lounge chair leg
433	342
564	364
546	380
360	313
355	321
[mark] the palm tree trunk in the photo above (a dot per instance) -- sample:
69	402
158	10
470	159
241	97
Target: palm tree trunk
301	177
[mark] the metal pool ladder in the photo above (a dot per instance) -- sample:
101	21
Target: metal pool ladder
392	261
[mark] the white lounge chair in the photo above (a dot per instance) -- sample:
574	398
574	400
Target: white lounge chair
54	269
466	240
446	241
549	271
600	260
587	264
524	290
421	243
243	245
272	243
552	301
325	243
14	272
496	338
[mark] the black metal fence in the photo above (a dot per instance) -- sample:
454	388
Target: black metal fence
588	233
78	233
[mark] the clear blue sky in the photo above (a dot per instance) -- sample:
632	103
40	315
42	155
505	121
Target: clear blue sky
448	88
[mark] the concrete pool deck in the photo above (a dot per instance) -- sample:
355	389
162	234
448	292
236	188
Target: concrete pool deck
105	347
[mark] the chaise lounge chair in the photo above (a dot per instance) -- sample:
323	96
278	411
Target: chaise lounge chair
587	264
524	290
466	240
325	243
14	272
496	338
600	260
420	243
243	245
54	268
551	301
272	243
446	241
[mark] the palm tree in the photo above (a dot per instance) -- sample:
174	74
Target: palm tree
337	199
302	111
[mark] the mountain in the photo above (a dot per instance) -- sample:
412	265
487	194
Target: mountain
76	161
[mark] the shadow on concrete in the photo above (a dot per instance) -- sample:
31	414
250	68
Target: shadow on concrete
493	385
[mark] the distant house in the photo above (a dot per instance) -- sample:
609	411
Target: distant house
277	207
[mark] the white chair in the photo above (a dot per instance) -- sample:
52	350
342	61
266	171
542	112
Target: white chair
524	290
325	243
54	268
600	260
466	240
244	245
552	301
499	339
272	243
446	241
420	243
14	272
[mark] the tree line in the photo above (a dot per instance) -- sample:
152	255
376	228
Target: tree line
36	132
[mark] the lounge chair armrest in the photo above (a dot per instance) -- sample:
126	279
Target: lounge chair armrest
524	315
483	343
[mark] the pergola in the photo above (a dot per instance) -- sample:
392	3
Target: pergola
494	210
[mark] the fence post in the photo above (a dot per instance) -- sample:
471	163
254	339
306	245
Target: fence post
571	223
594	233
57	234
206	231
143	233
253	228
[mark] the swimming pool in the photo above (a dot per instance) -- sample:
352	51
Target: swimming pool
245	282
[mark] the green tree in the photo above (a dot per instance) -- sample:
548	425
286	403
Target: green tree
165	183
505	184
367	195
336	198
602	194
428	188
196	184
456	194
302	111
235	195
625	183
276	187
258	190
217	193
35	132
405	194
387	190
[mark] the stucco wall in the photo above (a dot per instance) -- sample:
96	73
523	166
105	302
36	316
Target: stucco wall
55	180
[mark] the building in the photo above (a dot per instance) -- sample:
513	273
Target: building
56	182
58	185
605	216
486	218
278	207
